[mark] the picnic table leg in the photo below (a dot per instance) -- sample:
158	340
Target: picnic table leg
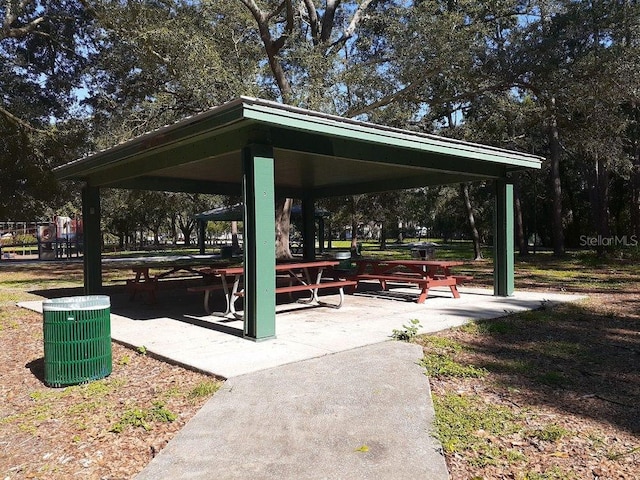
149	284
227	296
306	281
132	285
338	305
318	280
454	290
423	294
233	297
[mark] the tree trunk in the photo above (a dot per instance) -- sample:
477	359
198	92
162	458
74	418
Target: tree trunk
354	235
283	226
556	184
521	238
599	196
635	172
235	244
186	230
477	251
174	229
635	193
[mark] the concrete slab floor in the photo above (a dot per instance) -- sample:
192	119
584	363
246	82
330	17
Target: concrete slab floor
177	329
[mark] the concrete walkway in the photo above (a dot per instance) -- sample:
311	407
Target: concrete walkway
331	397
364	413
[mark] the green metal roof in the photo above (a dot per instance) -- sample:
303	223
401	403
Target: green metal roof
314	153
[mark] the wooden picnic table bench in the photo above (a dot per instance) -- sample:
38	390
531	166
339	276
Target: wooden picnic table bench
423	273
299	277
145	282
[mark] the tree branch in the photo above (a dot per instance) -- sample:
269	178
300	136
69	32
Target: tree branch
21	123
353	24
313	20
328	20
411	87
388	99
277	11
8	32
271	47
279	43
255	11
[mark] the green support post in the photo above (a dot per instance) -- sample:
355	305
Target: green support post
259	247
503	239
201	234
92	242
321	235
308	228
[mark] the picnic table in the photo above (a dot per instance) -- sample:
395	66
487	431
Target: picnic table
423	273
299	276
144	281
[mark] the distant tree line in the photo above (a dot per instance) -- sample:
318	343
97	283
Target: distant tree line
557	78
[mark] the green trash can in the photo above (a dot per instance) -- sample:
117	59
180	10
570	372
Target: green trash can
77	339
345	260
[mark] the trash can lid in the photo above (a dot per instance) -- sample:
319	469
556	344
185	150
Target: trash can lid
83	302
342	255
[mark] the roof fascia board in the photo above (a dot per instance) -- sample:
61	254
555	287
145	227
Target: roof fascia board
217	121
166	158
383	154
336	127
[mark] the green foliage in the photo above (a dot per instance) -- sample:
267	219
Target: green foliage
141	350
442	365
408	332
550	433
459	419
491	327
43	52
618	455
553	473
143	418
564	350
134	417
441	344
439	359
514	70
204	389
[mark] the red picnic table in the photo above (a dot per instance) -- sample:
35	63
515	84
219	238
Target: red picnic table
300	276
424	273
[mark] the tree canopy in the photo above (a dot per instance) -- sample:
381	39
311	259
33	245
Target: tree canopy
553	77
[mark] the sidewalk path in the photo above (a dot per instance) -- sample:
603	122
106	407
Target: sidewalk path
365	413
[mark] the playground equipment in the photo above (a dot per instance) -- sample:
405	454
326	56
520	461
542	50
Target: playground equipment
59	238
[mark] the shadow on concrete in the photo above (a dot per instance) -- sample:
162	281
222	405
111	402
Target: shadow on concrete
173	301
